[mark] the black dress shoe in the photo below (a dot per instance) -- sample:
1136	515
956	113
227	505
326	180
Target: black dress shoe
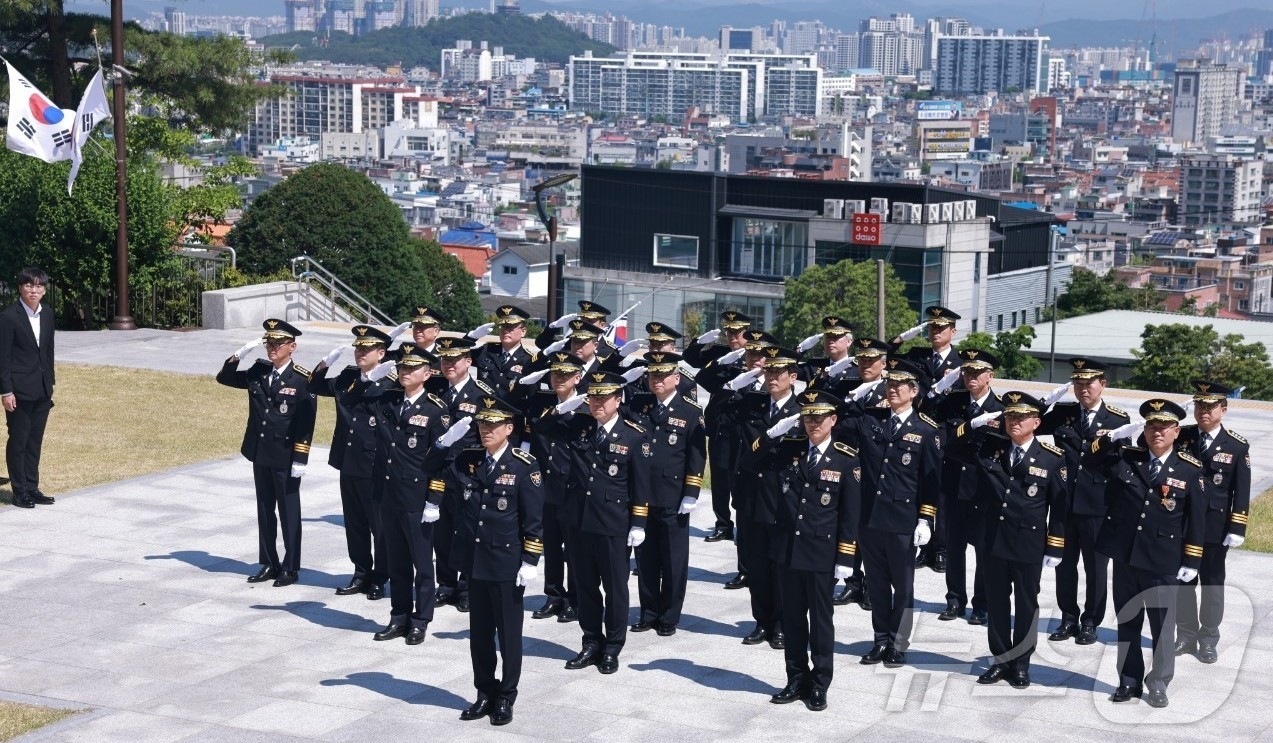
718	533
977	617
738	581
22	500
1207	651
846	594
503	712
666	630
375	592
790	693
816	700
875	655
1186	647
865	602
1086	635
286	578
462	605
551	608
265	573
756	636
355	586
1156	698
417	634
40	499
939	563
1126	693
569	614
894	658
480	709
922	560
777	640
608	664
585	658
442	598
1064	632
1019	679
993	675
641	626
396	628
951	612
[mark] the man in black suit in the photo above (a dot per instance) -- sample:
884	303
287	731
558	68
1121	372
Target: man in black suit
26	384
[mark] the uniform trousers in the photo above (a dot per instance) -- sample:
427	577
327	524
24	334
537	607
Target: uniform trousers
277	489
889	559
762	573
807	614
1196	621
1080	541
557	584
1138	593
443	537
600	562
26	426
495	622
364	536
663	564
721	461
409	546
1012	593
965	527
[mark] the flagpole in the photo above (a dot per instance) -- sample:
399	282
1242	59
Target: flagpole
122	319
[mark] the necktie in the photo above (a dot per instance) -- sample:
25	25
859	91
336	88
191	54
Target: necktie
504	357
1017	454
814	456
660	413
974	410
451	394
274	377
773	409
1089	418
1155	468
600	436
490	464
894	424
1204	443
406	405
936	361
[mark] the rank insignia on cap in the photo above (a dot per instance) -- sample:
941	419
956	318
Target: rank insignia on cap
892	363
1013	397
1079	363
446	342
561	356
833	320
972	353
773	351
657	357
361	330
1157	405
811	396
1204	387
408	349
488	402
731	315
271	324
599	377
934	311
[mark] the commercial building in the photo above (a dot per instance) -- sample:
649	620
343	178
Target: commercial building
1220	189
945	140
327	98
975	65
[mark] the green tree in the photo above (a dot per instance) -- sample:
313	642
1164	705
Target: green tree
846	289
1089	293
1172	355
1013	362
452	289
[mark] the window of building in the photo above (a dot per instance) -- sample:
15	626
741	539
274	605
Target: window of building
769	247
1000	328
676	251
1239	285
510	270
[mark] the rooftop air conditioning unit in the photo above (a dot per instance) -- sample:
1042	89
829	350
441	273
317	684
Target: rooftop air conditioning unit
833	208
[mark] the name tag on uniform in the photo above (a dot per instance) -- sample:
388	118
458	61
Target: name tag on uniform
418	420
1223	457
1038	472
1173	482
618	448
830	476
676	422
287	391
468	407
913	438
506	479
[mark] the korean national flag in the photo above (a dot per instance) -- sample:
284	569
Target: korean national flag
37	127
92	111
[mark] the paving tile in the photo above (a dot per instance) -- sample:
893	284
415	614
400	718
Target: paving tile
292	717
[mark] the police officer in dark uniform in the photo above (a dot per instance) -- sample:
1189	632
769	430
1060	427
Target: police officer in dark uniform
678	453
596	314
1154	533
1023	486
281	412
900	449
426	327
497	545
1226	481
501	364
659	337
591	315
814	540
1074	426
607	506
353	454
836	368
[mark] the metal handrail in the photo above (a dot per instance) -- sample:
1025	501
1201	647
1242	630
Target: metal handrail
337	290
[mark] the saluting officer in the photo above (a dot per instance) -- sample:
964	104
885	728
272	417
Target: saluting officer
426	326
592	317
678	453
281	412
497	545
1154	533
659	337
501	364
353	454
836	368
1226	481
1074	426
1023	484
596	314
814	541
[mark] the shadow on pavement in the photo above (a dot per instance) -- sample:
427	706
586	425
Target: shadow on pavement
710	676
412	692
321	614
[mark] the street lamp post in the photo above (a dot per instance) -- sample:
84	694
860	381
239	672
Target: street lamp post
122	320
550	223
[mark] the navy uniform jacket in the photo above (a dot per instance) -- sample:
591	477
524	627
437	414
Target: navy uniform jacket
818	507
407	461
678	445
814	372
1065	422
713	376
466	405
901	474
499	520
1026	506
923	358
758	487
354	440
554	456
610	483
280	423
1159	529
959	476
874	398
1226	480
497	374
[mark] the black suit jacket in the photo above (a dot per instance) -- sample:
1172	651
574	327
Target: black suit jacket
26	369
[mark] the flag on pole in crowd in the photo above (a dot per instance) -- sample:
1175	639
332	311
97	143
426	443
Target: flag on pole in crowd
36	126
93	110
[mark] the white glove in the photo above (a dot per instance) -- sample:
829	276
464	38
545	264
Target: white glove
782	426
247	348
632	375
1127	431
744	379
631	347
381	371
569	405
947	381
636	535
393	334
456	431
526	574
842	572
298	470
330	358
481	331
861	390
809	342
431	513
555	347
533	378
629	361
1233	540
687	504
923	533
732	356
1056	394
708	337
841	365
914	332
1186	574
984	418
1051	562
563	321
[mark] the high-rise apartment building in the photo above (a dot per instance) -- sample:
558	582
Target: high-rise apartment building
1205	97
973	65
892	46
300	15
333	98
419	12
176	21
1220	189
1264	57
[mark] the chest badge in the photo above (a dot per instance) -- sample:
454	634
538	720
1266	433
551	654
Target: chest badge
671	439
1168	501
282	408
411	442
613	470
825	499
906	458
371	421
1032	491
1217	478
468	493
502	504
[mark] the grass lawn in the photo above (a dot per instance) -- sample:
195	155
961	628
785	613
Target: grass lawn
19	719
1259	530
110	423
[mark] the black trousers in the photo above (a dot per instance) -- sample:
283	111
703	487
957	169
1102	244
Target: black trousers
495	622
1012	590
762	574
1080	541
1137	594
409	547
965	527
663	564
443	536
599	563
277	489
557	584
720	459
364	536
807	614
26	437
889	559
1202	622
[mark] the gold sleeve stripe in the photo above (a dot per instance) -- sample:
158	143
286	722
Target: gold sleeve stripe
640	511
695	480
300	448
533	546
847	548
437	486
1193	550
928	511
1238	518
1056	542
